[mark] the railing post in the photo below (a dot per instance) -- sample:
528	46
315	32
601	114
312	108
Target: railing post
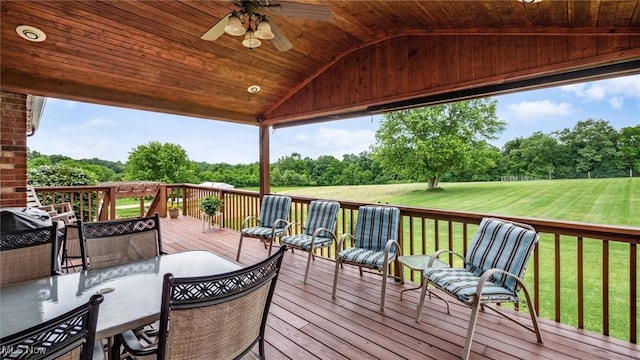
162	203
112	206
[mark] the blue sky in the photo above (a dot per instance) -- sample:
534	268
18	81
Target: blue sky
82	130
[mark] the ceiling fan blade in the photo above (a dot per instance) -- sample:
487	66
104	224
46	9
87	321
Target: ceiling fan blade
217	29
279	40
305	11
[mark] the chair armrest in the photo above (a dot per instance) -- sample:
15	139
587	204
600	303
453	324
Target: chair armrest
49	209
437	254
62	207
291	225
133	345
487	274
318	230
341	241
278	221
387	249
247	219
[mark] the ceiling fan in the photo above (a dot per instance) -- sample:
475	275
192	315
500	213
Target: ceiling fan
255	26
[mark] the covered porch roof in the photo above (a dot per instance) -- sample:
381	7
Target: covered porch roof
371	57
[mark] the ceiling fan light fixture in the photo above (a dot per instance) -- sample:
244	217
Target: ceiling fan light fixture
264	31
250	40
235	27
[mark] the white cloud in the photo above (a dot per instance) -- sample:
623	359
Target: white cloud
595	93
536	110
616	102
623	87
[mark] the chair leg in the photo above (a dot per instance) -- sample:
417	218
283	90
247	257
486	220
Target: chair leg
239	248
472	327
261	347
532	313
385	271
423	292
335	278
306	273
270	245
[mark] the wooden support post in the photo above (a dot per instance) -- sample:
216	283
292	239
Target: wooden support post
265	187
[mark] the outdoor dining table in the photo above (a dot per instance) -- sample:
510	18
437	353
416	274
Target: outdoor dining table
132	292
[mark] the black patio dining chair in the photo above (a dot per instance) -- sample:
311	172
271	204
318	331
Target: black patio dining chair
115	242
493	272
211	317
70	336
28	254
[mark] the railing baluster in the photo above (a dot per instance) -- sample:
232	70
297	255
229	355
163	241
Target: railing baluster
556	247
633	293
580	283
536	279
605	287
450	229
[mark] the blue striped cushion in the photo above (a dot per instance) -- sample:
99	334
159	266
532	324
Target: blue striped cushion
376	225
303	241
274	207
321	214
502	245
369	258
463	284
261	232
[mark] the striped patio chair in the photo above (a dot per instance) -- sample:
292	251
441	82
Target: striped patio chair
318	230
493	271
270	224
375	244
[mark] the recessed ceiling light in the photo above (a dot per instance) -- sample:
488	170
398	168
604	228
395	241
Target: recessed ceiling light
253	89
31	33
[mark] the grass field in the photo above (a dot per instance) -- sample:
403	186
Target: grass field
604	201
600	201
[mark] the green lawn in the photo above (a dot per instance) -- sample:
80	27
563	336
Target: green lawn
603	201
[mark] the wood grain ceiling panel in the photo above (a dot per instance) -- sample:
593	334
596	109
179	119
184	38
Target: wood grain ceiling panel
148	54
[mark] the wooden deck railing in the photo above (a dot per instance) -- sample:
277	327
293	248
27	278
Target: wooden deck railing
89	202
581	274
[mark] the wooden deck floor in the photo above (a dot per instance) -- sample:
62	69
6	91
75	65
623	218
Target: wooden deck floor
306	323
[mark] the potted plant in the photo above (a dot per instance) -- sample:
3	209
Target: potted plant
174	210
210	204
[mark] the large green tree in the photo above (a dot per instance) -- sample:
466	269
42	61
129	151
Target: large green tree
167	163
593	145
427	142
533	156
629	144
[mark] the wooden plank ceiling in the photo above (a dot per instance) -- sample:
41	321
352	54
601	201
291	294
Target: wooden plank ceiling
149	55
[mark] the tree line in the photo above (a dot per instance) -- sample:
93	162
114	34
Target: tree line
447	142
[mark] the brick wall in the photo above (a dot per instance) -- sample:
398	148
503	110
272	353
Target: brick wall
13	149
